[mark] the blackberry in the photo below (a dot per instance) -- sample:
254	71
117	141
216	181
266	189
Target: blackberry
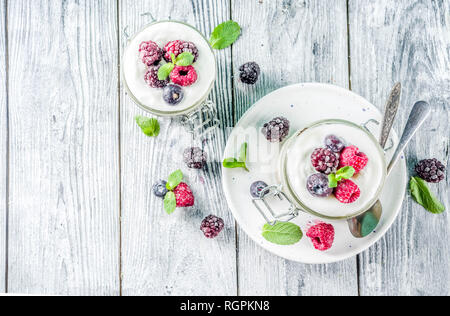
276	130
256	189
178	47
212	226
151	77
325	161
195	158
334	143
160	188
250	73
150	53
431	170
173	94
318	185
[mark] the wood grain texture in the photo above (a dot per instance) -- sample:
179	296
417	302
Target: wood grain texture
3	145
407	41
311	38
162	254
64	175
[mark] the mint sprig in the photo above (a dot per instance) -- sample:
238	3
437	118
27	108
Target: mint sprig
170	201
174	180
149	126
184	59
233	163
422	194
341	174
225	35
284	234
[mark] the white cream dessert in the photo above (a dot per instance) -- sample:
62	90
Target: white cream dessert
299	168
134	70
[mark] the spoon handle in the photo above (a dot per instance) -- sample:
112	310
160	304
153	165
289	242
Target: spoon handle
390	114
418	116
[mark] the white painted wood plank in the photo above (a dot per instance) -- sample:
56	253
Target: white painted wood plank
407	41
162	254
292	41
64	183
3	145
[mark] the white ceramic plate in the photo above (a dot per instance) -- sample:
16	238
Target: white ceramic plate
304	104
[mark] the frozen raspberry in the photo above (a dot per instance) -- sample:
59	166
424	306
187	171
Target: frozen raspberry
431	170
334	143
212	226
183	75
325	161
347	192
151	77
322	236
195	158
178	47
250	73
184	195
150	53
256	189
352	157
160	188
319	185
276	130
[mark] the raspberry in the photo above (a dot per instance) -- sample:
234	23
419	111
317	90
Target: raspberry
212	226
431	170
178	47
318	185
347	192
183	75
325	161
151	77
184	195
334	143
160	188
250	73
195	158
150	53
256	189
276	130
352	157
322	236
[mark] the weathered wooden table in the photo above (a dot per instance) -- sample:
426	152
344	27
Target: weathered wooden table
77	215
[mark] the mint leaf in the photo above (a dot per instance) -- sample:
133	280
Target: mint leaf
149	126
165	70
333	182
185	59
170	203
422	195
243	153
172	56
174	180
282	233
232	163
225	35
345	173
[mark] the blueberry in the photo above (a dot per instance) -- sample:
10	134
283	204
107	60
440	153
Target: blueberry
318	185
334	143
160	188
256	188
173	94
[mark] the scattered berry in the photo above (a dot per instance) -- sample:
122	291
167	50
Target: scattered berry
184	195
183	75
212	226
276	130
151	77
178	47
334	143
150	53
318	185
173	94
160	188
431	170
347	192
256	189
322	236
325	161
195	158
250	73
352	157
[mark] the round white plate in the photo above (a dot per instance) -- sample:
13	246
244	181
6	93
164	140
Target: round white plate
304	104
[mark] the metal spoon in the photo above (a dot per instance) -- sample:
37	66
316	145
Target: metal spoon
365	224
